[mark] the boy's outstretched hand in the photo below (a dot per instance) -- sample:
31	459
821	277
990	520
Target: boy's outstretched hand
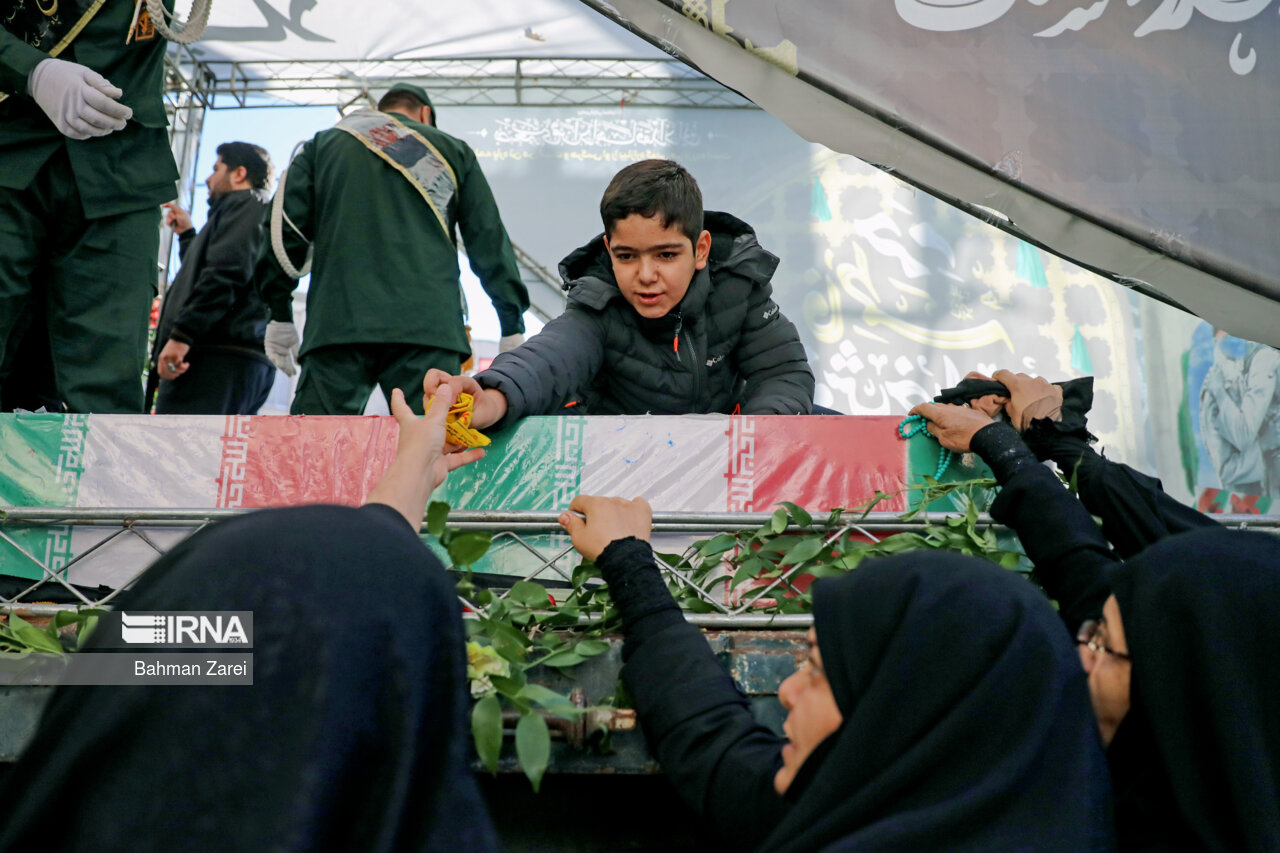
421	463
954	426
489	406
605	520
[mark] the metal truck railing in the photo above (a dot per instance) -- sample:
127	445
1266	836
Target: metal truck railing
535	536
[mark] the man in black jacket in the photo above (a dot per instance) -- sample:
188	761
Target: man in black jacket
208	357
670	312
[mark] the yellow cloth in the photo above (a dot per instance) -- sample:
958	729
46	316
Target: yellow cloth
458	425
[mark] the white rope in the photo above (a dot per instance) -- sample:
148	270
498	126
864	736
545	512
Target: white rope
278	218
183	32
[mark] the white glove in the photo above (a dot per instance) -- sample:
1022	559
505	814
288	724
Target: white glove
510	342
281	345
79	101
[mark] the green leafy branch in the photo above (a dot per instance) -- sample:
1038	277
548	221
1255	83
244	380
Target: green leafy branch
65	632
511	632
792	548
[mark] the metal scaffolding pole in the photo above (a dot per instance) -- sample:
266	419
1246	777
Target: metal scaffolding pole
185	104
474	81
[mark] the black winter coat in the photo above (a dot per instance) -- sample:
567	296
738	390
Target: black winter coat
212	302
735	346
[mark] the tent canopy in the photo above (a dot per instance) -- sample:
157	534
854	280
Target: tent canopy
1130	139
484	52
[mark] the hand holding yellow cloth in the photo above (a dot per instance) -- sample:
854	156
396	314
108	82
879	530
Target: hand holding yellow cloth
458	426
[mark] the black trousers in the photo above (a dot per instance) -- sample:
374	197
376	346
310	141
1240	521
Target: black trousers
217	383
337	380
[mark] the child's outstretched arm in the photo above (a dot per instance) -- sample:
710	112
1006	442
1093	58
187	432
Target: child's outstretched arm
550	368
490	405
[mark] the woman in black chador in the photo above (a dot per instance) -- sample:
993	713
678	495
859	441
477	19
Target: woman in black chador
942	707
1179	625
353	735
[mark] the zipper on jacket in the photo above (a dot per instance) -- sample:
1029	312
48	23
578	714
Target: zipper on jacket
699	405
697	402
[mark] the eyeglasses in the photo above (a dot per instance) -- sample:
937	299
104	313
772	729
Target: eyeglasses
1092	634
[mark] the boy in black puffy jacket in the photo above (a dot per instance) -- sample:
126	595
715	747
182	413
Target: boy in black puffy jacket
669	312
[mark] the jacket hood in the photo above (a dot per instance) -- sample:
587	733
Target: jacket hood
587	274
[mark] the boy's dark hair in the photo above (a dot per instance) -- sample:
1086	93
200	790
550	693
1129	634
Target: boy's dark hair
660	188
254	158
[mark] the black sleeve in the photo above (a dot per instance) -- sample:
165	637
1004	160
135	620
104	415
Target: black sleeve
548	369
389	515
773	361
185	239
697	722
226	271
1003	450
1071	558
1134	508
638	591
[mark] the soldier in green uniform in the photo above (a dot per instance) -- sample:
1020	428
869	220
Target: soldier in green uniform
379	198
85	163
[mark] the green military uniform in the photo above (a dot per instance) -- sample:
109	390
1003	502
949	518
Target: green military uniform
79	226
384	302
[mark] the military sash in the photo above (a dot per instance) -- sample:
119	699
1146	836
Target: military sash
410	154
48	25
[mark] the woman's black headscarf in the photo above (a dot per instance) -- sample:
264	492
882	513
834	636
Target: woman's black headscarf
967	723
1201	614
352	736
